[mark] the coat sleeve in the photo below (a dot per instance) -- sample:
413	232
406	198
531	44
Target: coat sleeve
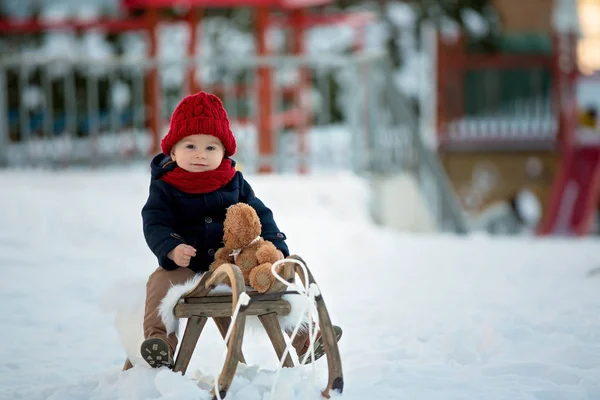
157	218
270	231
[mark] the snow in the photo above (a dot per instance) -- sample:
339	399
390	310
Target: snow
475	22
529	207
402	14
33	97
424	316
120	95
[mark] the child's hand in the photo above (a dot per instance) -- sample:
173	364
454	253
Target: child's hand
182	255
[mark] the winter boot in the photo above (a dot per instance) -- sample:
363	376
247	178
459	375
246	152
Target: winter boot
156	352
303	347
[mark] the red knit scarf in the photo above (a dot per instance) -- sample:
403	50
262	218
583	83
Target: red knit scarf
200	182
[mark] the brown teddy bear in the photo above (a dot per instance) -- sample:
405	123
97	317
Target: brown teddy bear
245	248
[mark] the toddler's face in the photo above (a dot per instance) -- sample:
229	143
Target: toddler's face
198	153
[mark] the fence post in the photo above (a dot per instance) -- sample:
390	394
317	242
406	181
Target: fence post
153	82
3	119
427	90
355	113
265	95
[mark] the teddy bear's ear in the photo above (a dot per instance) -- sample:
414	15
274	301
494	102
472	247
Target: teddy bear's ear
248	213
242	211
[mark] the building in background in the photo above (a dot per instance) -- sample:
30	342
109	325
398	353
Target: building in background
509	117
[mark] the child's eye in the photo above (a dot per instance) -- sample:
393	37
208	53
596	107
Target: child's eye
190	146
211	148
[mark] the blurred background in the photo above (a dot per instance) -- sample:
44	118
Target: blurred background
464	115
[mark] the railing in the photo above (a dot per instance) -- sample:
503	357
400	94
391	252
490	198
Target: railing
506	98
64	112
394	142
330	112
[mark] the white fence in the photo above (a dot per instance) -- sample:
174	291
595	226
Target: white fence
73	111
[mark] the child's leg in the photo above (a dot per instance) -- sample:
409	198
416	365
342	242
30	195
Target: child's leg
301	342
159	282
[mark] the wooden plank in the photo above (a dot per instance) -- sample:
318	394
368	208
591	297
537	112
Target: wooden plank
255	296
334	361
209	299
201	289
287	273
192	332
223	325
185	310
234	347
299	270
127	365
273	329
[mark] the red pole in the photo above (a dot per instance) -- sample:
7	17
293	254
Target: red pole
360	33
565	77
298	18
450	75
193	19
564	105
265	95
440	85
153	89
459	80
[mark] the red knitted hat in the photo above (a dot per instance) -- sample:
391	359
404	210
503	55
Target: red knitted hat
200	113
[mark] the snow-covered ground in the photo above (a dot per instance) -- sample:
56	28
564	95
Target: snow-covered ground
425	316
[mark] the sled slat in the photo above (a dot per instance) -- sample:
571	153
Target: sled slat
201	289
185	310
287	273
127	365
192	332
234	346
334	362
273	329
226	298
223	325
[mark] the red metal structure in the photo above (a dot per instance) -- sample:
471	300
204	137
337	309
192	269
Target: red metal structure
574	195
292	14
454	63
295	13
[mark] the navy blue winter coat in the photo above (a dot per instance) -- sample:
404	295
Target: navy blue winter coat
172	217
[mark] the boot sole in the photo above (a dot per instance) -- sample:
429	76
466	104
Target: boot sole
156	353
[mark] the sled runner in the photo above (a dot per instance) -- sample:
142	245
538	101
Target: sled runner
199	304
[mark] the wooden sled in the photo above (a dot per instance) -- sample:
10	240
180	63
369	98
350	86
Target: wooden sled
198	305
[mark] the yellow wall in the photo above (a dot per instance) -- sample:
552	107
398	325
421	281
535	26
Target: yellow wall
519	16
482	178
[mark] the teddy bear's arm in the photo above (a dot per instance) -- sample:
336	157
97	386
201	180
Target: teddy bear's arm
222	256
267	253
